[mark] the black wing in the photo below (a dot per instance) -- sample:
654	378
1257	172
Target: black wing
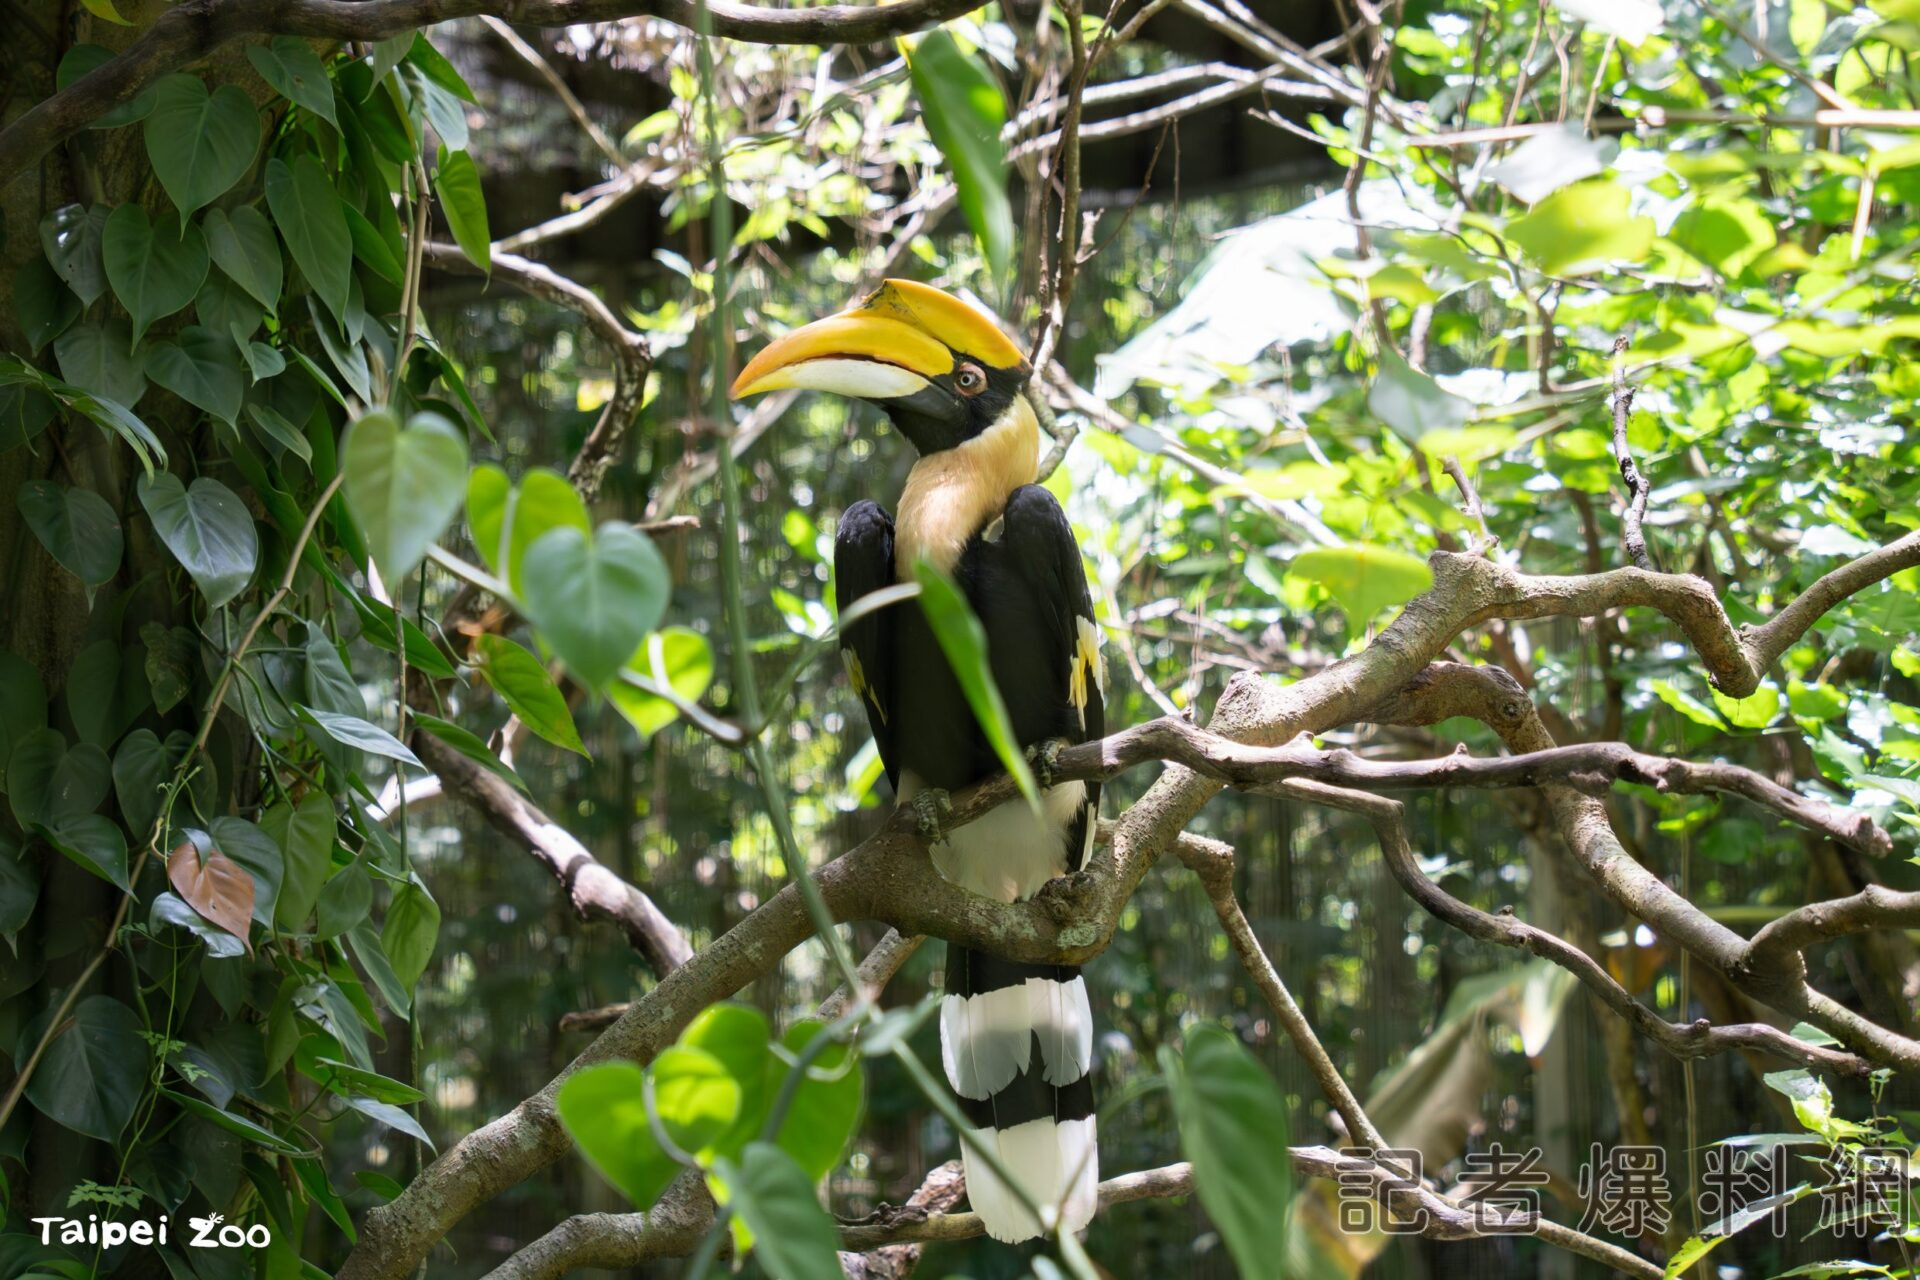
1030	591
862	564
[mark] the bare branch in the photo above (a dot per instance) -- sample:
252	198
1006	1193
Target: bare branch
191	31
1632	534
595	892
632	353
561	89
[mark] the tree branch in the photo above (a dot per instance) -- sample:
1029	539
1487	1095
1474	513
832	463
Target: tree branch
595	891
193	30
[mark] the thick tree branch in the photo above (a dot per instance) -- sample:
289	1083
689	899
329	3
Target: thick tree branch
595	891
194	29
890	878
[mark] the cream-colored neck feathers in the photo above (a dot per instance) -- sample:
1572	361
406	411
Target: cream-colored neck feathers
953	494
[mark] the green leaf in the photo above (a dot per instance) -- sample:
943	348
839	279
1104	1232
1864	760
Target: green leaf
296	72
366	948
260	854
199	366
101	358
457	183
468	744
529	692
345	901
170	909
431	63
208	529
676	657
76	526
283	433
738	1036
412	927
964	641
23	703
964	112
172	656
308	212
595	598
402	486
306	834
352	731
1233	1127
90	1078
1685	703
141	765
345	1078
104	694
49	786
155	268
1725	234
1412	403
604	1107
1363	580
84	58
1583	228
19	890
228	310
825	1111
794	1238
1756	711
242	244
200	143
97	843
71	238
257	1134
42	303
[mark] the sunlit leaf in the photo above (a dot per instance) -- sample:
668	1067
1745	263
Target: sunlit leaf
402	485
529	692
965	112
1363	580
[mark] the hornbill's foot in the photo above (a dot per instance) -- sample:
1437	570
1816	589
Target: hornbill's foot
1044	756
931	807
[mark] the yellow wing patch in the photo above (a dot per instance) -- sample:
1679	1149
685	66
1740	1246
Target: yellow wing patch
857	677
1088	661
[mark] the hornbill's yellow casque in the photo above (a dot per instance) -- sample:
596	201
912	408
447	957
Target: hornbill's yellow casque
1016	1039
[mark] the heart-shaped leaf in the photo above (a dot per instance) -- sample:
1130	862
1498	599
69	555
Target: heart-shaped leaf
402	486
100	358
676	658
214	885
227	309
296	71
306	834
49	786
97	843
604	1107
208	530
83	58
200	143
594	599
70	237
794	1238
529	692
412	926
258	855
155	268
307	210
243	245
91	1077
106	691
43	303
200	367
76	526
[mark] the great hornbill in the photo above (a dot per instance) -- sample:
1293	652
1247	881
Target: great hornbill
1016	1039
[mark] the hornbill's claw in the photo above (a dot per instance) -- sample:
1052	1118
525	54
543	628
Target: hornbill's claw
1044	756
930	809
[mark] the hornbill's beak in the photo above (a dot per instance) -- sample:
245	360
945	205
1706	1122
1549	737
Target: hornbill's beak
933	362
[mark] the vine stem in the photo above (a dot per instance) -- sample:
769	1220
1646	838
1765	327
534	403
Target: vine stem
732	594
47	1037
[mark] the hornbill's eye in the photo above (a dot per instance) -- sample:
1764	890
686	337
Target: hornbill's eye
969	380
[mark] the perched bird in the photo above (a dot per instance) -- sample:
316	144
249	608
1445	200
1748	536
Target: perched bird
1016	1039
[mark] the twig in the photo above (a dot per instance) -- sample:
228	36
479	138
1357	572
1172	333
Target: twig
561	89
1470	497
1631	532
